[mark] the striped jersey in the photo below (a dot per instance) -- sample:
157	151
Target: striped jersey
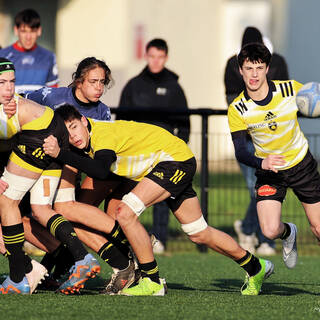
272	123
139	147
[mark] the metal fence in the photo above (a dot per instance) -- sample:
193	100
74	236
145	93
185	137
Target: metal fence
220	184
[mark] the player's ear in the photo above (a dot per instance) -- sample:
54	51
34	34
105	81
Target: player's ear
15	29
267	70
84	121
39	31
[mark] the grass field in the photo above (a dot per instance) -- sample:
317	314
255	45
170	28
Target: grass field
201	286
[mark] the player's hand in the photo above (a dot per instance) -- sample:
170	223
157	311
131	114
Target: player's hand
51	146
3	186
271	161
11	108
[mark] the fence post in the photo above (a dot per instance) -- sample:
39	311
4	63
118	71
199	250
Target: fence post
204	172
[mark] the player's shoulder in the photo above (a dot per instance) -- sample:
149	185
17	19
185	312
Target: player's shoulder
239	99
6	50
287	87
45	51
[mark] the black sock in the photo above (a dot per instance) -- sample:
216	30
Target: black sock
62	229
27	263
64	261
286	231
13	237
150	270
250	263
113	256
117	234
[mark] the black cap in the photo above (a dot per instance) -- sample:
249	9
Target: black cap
6	65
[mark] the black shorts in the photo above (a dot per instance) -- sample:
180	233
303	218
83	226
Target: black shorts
303	179
176	177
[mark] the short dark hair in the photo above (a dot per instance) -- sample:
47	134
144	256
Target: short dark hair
85	66
6	65
254	52
28	17
68	112
160	44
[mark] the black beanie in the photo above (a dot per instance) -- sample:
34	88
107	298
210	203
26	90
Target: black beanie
250	35
6	65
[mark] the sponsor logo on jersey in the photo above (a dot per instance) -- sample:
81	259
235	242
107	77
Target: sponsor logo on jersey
158	174
38	153
266	191
28	60
272	125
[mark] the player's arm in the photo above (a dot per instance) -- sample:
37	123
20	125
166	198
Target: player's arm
239	139
97	168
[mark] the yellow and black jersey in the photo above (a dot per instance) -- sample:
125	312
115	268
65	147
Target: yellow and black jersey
139	147
271	123
28	151
9	126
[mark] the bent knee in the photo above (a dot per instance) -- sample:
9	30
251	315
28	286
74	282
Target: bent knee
124	214
271	231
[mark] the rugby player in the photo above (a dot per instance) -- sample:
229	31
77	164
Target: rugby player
267	110
30	169
164	167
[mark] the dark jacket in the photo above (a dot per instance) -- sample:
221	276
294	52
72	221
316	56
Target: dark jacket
233	80
160	90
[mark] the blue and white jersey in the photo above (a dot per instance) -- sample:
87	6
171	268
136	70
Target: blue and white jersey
55	97
35	68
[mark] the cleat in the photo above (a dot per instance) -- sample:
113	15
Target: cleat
49	284
147	287
36	275
79	274
289	248
32	250
252	285
10	287
120	280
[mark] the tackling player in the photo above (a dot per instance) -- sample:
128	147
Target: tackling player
164	167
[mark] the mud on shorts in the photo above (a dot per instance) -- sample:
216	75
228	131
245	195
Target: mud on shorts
175	177
303	179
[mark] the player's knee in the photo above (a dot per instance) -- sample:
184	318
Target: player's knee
134	203
125	215
196	230
270	231
64	208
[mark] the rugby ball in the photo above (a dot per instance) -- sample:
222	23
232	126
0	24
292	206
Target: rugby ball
308	99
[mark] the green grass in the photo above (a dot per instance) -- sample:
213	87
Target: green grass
201	286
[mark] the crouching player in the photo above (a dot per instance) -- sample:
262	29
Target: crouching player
30	169
164	166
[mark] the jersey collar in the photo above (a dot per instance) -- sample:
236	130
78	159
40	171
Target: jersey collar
19	48
267	99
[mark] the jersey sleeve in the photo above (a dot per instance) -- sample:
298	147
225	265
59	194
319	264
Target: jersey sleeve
236	122
53	79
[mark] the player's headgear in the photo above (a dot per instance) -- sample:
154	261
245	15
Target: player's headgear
6	65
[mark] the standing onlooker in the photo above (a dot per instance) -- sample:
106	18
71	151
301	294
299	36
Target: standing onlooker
35	66
249	227
157	87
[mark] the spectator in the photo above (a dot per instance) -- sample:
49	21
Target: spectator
157	87
35	66
249	227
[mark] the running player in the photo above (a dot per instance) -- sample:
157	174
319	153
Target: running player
30	169
267	110
164	167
